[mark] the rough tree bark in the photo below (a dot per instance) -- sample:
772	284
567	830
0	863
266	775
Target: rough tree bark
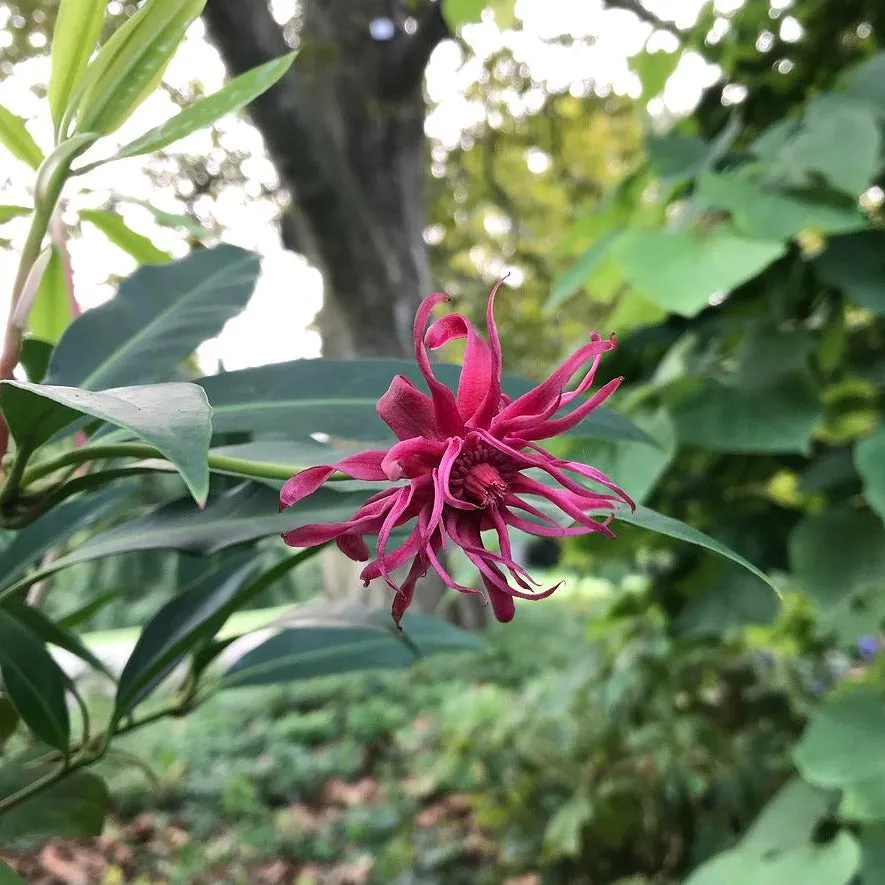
345	130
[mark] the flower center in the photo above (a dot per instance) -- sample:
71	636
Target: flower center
481	475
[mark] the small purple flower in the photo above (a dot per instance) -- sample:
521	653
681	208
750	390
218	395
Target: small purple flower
868	647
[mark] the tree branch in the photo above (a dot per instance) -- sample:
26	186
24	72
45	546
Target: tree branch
644	15
404	70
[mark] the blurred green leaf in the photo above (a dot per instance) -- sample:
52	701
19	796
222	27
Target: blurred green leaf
769	213
462	12
570	283
778	419
115	229
855	264
52	311
34	358
8	876
175	418
233	96
328	639
158	318
653	70
837	554
9	719
73	807
35	684
682	271
170	219
869	456
77	29
193	616
563	835
15	137
7	213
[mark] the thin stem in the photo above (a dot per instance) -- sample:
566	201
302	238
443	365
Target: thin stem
36	786
16	472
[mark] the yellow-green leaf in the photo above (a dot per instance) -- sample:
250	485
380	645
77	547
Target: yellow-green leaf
77	30
130	65
17	140
52	311
7	213
116	230
235	95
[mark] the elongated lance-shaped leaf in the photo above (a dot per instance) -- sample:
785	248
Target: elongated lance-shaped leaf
52	311
77	29
158	318
7	213
235	95
130	65
14	136
34	683
116	230
175	418
338	397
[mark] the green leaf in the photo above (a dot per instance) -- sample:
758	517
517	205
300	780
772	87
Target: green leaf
769	356
462	12
840	750
35	358
869	456
170	219
635	466
34	683
52	311
866	82
9	877
837	554
325	640
339	397
73	807
158	318
77	29
840	140
135	244
779	419
51	531
7	213
39	624
15	137
790	818
677	157
233	96
769	213
569	283
653	70
246	513
673	528
855	264
181	625
9	719
831	864
682	271
130	65
175	418
563	835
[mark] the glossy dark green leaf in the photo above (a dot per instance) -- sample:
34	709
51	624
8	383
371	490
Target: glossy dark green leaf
158	318
181	625
674	528
34	683
838	553
82	614
244	514
39	624
855	264
175	418
338	397
73	807
327	639
780	418
52	530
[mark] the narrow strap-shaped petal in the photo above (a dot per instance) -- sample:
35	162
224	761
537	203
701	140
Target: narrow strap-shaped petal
556	426
563	499
363	465
448	418
407	411
402	598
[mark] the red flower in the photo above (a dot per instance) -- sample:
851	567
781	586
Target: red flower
463	457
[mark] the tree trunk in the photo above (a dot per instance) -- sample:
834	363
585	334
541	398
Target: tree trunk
345	130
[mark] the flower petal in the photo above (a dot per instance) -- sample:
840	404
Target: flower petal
412	457
407	411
